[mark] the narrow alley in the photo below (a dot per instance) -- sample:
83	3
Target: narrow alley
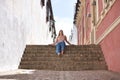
29	40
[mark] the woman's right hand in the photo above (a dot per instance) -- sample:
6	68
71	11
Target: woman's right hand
51	44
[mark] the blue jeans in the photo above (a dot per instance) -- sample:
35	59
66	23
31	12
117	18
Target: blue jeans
60	47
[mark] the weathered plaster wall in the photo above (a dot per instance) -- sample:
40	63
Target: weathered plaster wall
21	22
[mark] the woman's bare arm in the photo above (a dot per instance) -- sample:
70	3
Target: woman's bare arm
54	42
67	40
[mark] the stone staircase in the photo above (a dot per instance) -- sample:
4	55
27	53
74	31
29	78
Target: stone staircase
75	58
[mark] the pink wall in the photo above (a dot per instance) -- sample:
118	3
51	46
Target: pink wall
111	49
81	30
78	32
85	29
113	14
111	43
100	6
88	20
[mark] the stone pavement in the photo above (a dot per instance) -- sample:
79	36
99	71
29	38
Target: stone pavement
59	75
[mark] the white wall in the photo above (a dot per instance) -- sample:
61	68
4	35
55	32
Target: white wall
21	22
39	30
12	33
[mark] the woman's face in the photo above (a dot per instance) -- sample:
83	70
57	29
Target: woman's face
61	32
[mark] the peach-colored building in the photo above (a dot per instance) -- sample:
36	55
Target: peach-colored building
98	22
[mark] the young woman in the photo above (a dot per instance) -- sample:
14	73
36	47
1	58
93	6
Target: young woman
60	43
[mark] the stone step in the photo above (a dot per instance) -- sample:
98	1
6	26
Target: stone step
64	55
76	46
63	58
66	51
69	68
65	66
63	63
46	47
84	57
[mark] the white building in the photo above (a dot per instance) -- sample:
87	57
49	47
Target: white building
73	36
23	22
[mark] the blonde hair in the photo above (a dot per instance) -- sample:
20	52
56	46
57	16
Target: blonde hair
61	32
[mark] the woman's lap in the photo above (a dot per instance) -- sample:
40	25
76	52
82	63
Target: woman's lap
60	47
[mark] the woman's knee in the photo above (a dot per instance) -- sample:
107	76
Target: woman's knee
63	46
